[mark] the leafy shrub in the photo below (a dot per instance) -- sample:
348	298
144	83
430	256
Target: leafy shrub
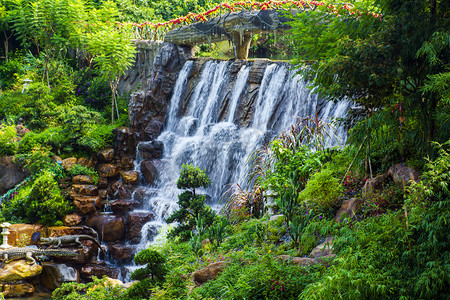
37	160
8	69
82	170
322	191
8	140
41	203
192	206
94	91
390	198
11	103
99	289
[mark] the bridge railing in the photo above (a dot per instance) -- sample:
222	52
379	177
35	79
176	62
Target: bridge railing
157	31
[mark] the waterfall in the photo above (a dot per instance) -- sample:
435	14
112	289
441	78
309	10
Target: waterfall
196	132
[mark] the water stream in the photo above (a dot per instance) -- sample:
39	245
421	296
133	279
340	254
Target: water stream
222	147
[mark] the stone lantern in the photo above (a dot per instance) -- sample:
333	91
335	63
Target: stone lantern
5	232
269	202
26	83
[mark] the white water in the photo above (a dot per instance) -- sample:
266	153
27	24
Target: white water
221	148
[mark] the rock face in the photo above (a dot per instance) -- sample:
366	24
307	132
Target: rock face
16	290
156	70
18	231
348	207
99	270
10	174
324	249
68	163
209	272
135	222
110	228
402	174
108	170
86	205
151	150
19	270
130	176
106	155
53	275
149	169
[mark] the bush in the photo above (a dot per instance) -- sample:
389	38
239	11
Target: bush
8	140
82	170
98	289
322	191
41	203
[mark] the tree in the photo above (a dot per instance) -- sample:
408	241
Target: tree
192	206
386	56
113	54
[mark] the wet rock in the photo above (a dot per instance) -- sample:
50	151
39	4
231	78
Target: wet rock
108	170
82	179
86	205
136	221
126	163
402	174
55	231
106	155
209	272
22	233
257	71
131	177
83	190
120	191
110	228
99	270
149	169
72	220
16	290
102	182
19	270
53	275
103	194
83	161
375	184
349	207
10	174
125	141
324	249
151	150
123	206
68	163
153	129
122	252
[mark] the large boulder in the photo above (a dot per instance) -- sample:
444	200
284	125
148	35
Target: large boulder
376	184
149	169
68	163
10	174
21	233
125	141
16	290
154	128
210	272
123	206
19	270
82	179
323	249
72	219
122	252
106	155
136	221
151	150
402	174
120	191
99	270
130	177
53	275
109	227
86	205
83	190
108	170
302	261
126	163
349	207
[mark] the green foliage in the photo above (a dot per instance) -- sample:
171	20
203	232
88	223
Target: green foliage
8	70
41	203
192	177
8	140
322	191
100	289
261	276
192	206
82	170
217	231
37	160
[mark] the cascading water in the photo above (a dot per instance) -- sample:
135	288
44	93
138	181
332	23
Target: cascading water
197	133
